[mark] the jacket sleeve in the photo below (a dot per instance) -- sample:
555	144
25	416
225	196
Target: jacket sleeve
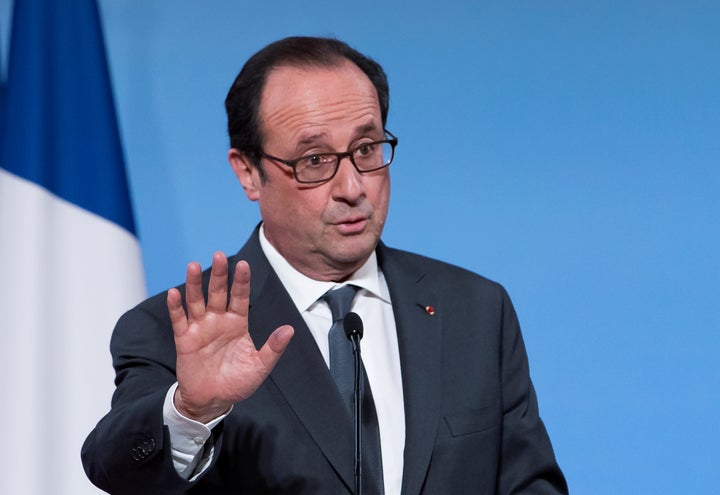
527	461
129	449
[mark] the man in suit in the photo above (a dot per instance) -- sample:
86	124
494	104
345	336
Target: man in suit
225	384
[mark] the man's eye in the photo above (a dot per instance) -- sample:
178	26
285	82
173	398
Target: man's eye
314	160
365	149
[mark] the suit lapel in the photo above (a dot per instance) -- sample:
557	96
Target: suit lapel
301	374
419	339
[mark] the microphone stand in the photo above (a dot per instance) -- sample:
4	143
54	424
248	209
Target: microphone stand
355	339
353	326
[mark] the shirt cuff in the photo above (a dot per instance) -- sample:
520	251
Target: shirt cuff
191	451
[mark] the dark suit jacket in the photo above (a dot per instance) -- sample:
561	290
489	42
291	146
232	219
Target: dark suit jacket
472	423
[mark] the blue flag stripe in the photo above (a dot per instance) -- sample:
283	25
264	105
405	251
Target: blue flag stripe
60	128
2	90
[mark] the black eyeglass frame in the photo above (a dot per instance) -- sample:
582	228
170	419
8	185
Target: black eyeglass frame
393	141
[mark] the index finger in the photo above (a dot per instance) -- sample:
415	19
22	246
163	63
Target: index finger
240	289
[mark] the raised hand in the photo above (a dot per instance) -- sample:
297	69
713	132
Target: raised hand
217	362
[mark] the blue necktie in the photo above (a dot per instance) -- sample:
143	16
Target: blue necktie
342	370
341	358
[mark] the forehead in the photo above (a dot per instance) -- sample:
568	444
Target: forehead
297	100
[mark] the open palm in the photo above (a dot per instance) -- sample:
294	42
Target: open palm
217	361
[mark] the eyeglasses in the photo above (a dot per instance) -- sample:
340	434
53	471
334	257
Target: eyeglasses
322	167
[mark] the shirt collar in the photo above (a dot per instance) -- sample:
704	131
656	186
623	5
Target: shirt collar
305	291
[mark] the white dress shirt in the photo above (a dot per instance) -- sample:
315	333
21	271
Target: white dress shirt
379	351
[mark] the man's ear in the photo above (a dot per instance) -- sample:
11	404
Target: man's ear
246	172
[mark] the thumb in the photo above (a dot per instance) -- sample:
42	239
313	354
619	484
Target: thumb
276	344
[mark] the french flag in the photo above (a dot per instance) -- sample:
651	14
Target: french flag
70	262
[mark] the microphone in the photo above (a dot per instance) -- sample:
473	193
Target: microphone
353	326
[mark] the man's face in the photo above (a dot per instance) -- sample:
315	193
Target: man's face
329	230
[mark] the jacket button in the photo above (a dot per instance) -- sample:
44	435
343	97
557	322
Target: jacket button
143	450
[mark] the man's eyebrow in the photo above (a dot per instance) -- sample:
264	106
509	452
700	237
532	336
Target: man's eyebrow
365	128
311	139
315	138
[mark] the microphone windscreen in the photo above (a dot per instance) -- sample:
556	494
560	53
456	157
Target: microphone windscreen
353	325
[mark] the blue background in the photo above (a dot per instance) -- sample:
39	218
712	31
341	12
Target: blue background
569	151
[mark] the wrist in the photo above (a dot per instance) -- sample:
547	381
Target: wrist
204	413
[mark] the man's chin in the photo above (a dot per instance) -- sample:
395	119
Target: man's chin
354	250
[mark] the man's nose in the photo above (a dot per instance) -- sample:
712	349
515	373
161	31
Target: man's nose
347	183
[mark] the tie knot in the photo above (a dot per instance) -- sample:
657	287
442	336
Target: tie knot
340	300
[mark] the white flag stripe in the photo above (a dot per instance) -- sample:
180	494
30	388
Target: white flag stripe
66	275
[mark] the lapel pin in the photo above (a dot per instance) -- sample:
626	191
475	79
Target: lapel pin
430	310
